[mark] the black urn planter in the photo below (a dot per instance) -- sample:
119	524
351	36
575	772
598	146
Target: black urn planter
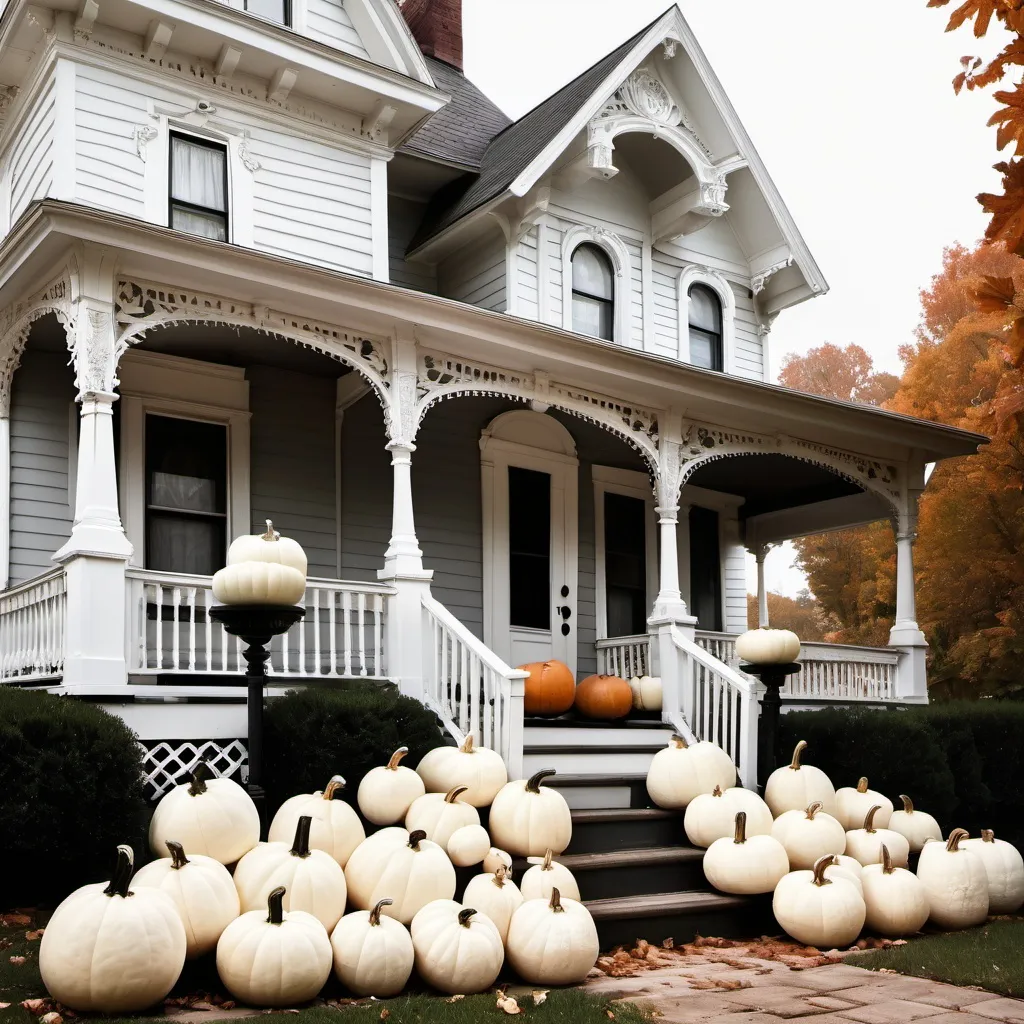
774	678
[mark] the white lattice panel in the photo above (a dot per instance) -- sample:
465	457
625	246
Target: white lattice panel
168	763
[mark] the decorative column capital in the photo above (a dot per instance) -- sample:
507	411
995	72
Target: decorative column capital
667	513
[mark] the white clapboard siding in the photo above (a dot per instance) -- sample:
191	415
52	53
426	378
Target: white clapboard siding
636	293
477	275
404	218
32	155
328	21
735	578
311	202
666	308
526	270
110	173
748	360
555	238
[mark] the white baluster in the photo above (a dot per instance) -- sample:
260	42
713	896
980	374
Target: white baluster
191	592
332	618
346	605
362	634
316	631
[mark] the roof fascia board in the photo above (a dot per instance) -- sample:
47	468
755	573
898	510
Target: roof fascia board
382	21
451	321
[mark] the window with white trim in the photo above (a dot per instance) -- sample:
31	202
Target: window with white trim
279	11
198	189
706	347
593	292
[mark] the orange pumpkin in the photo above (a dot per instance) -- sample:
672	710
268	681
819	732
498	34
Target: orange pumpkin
550	688
604	697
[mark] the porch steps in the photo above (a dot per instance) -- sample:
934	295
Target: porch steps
579	747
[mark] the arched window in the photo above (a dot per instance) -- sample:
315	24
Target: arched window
705	328
593	293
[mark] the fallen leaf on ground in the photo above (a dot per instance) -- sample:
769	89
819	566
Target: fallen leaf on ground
609	1014
17	960
668	943
15	920
34	935
52	1018
455	998
36	1006
508	1004
385	1013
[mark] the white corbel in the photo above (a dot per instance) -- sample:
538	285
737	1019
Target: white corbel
88	12
158	38
378	120
281	84
227	61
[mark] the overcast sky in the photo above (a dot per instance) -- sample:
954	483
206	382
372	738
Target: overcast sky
851	109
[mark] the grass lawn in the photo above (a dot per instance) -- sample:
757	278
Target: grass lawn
989	957
20	981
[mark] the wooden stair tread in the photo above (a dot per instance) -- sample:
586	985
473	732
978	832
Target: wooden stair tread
626	858
650	747
605	814
558	780
663	904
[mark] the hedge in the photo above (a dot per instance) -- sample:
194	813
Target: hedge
71	789
312	734
962	761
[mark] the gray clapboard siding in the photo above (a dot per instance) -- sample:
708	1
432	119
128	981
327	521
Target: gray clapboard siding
109	171
41	409
32	155
329	22
311	202
404	216
476	274
292	460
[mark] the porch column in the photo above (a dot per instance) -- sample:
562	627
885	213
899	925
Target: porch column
669	602
760	554
912	679
403	555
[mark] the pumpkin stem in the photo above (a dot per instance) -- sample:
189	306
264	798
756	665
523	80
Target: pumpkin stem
200	774
740	835
467	744
396	757
415	838
819	869
908	804
887	868
465	915
533	784
332	787
813	809
678	742
300	844
862	784
717	791
275	906
797	751
953	843
987	835
546	863
178	858
271	534
869	818
454	793
118	884
375	913
556	902
500	875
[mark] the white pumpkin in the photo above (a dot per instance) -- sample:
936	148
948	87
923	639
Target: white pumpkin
835	871
765	646
865	844
853	803
271	958
528	819
409	869
647	694
683	771
336	827
745	866
712	816
480	770
850	864
314	880
808	836
111	950
440	815
373	955
896	899
818	910
551	942
468	845
796	786
268	546
496	896
208	816
545	875
497	859
915	826
202	890
1004	869
458	950
258	583
387	791
955	881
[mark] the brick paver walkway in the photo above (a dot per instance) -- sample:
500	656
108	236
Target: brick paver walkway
767	992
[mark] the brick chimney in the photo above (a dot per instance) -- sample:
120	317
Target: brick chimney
437	27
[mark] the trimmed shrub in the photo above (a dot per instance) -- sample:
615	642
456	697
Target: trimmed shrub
71	789
312	734
961	761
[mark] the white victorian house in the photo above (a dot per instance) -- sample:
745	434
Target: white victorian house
506	382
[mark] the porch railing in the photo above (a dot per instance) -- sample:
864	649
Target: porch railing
713	702
170	630
624	656
32	623
470	688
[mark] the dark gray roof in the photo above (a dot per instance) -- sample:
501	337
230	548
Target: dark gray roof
513	149
460	131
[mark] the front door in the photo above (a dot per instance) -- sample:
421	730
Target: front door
529	472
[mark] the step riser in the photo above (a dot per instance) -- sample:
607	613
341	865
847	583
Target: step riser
608	836
641	880
730	923
604	762
593	798
603	739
